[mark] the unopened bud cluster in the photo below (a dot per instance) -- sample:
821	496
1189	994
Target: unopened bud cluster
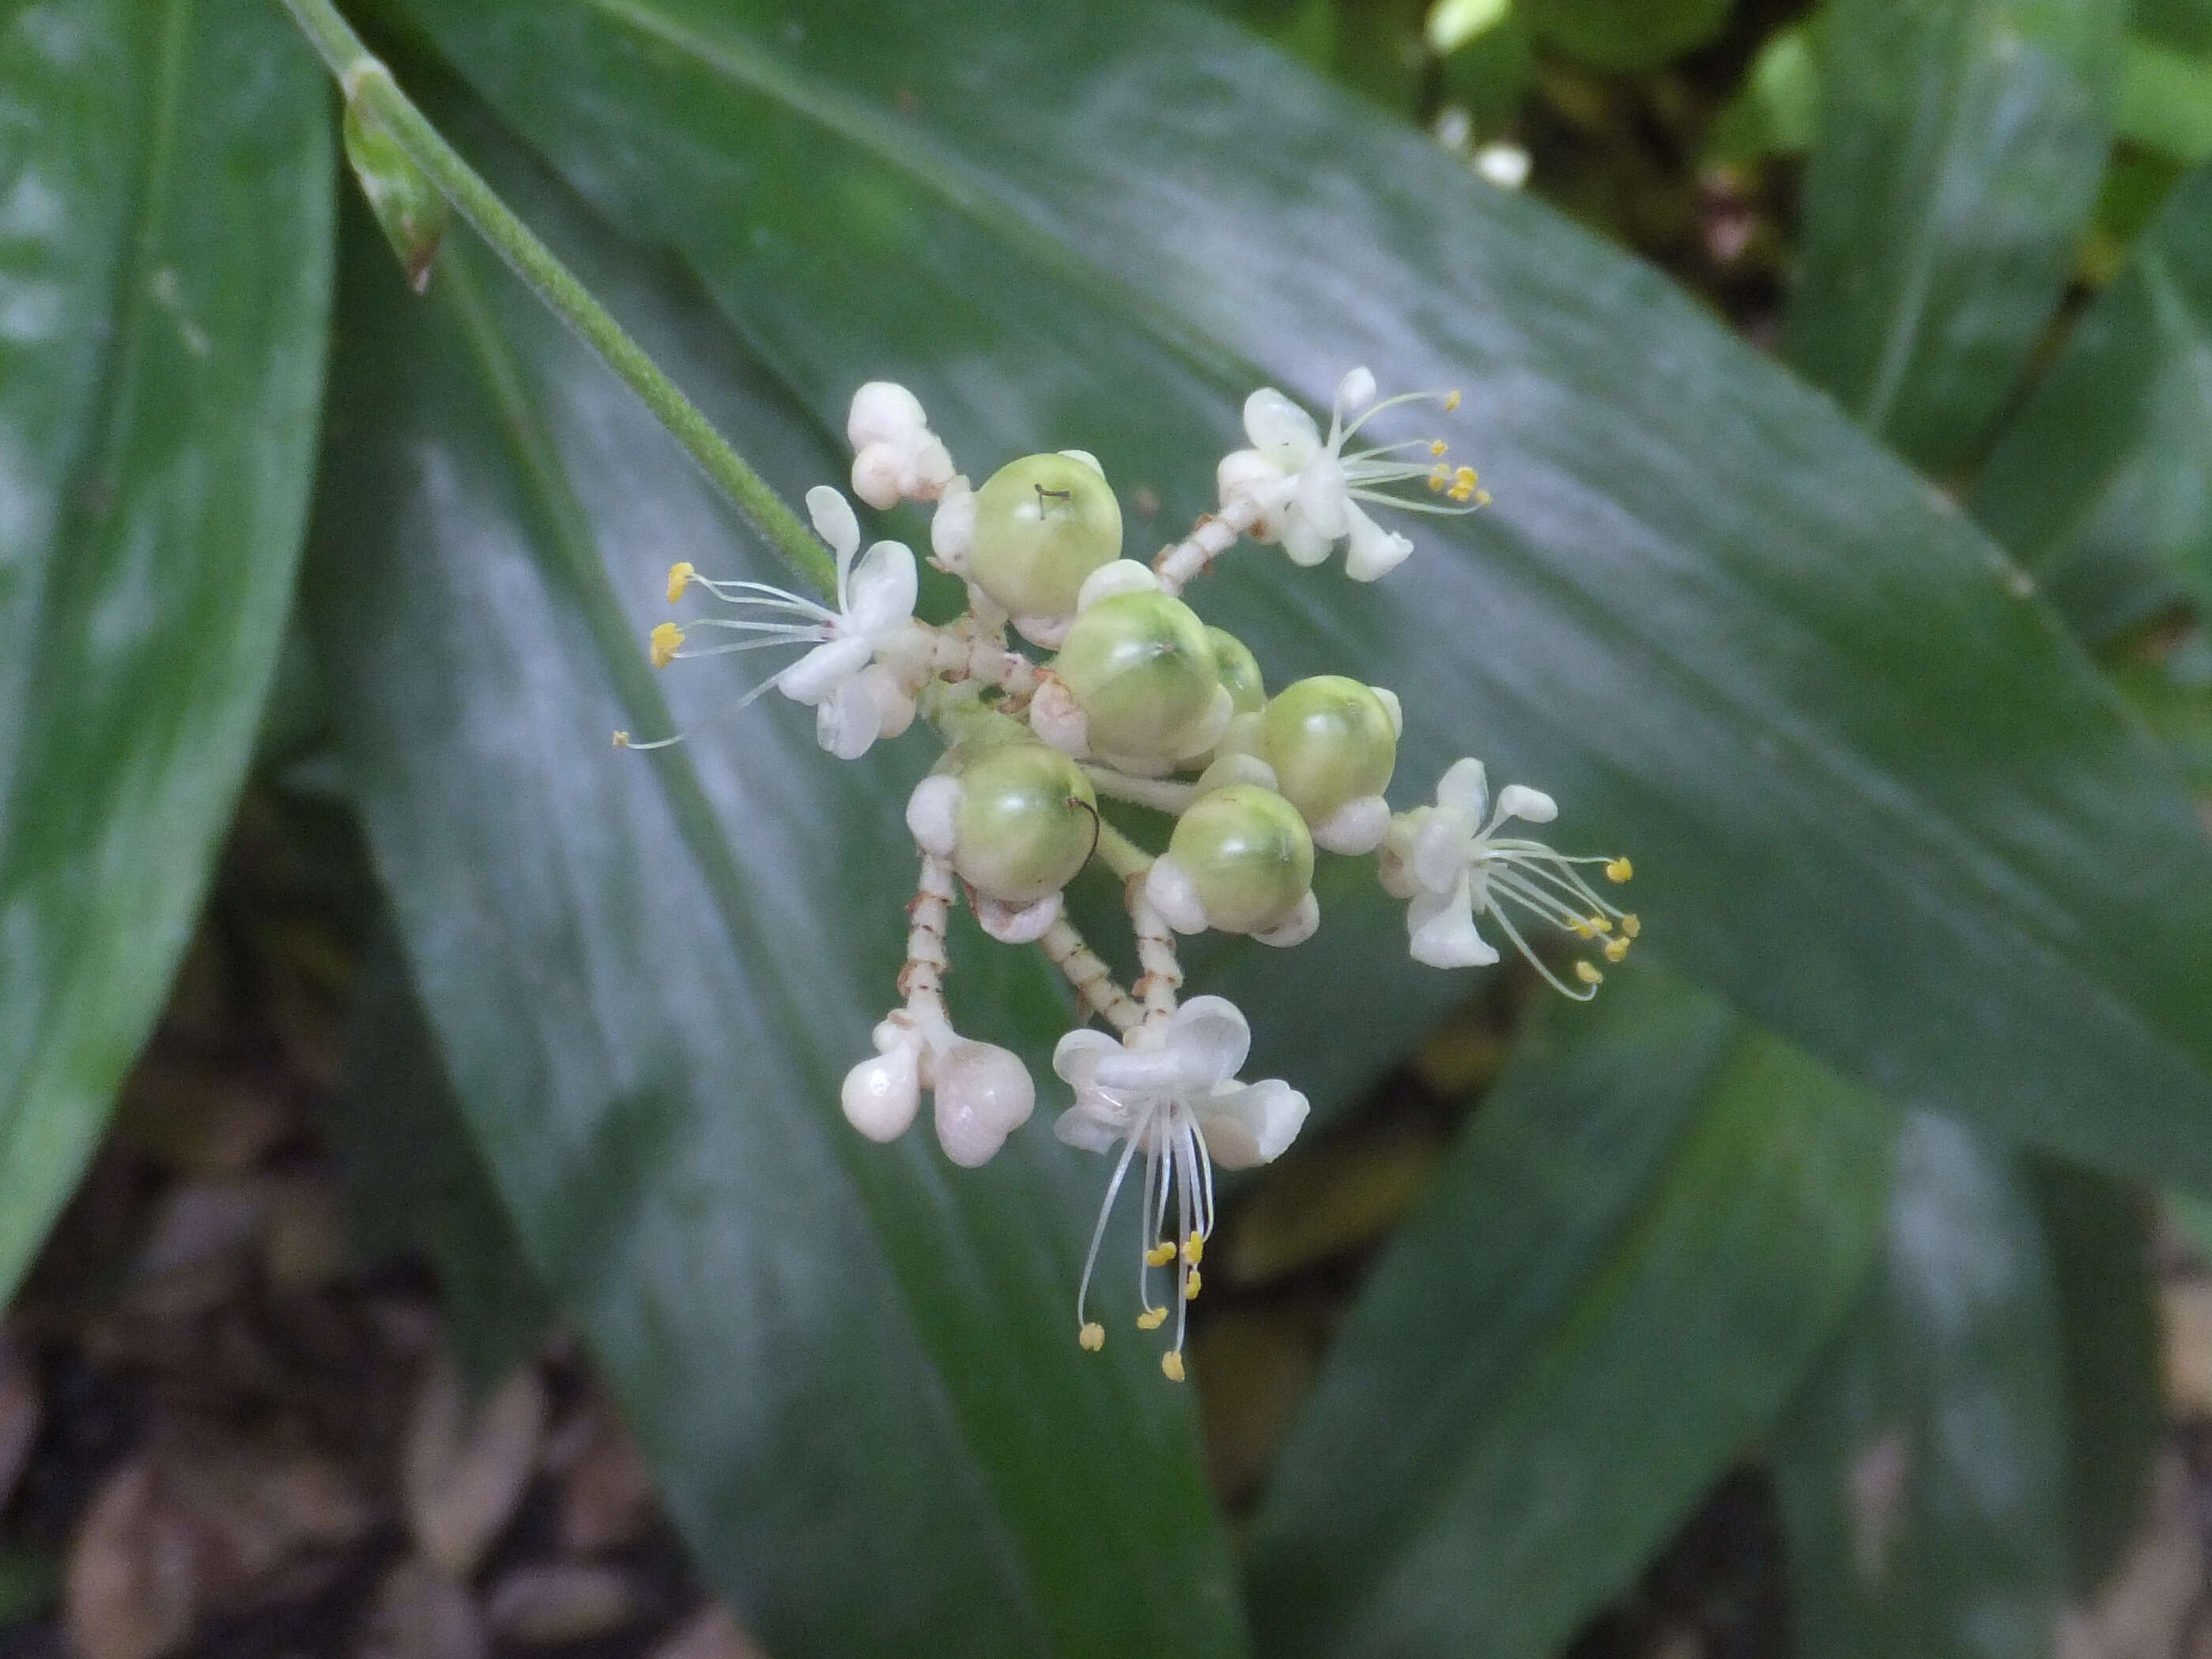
1125	701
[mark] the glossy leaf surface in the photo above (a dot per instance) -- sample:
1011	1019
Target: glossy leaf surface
1922	1469
649	973
1864	779
161	374
1649	1229
1960	145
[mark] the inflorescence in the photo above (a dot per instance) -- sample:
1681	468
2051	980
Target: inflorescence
1138	701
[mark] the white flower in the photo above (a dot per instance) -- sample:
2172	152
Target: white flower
983	1092
1172	1094
856	698
1291	487
895	453
1450	861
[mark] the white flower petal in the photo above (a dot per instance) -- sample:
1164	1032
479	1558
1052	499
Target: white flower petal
1082	1127
881	593
1321	499
1279	430
877	476
1248	1126
1305	543
881	1094
1141	1070
952	530
848	722
1076	1057
983	1094
833	520
1441	849
1211	1039
1466	787
1017	924
1517	800
1374	552
1440	929
817	675
1356	390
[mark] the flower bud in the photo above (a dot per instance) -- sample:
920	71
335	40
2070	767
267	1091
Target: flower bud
1026	822
1239	671
1140	668
1247	855
881	1095
1042	525
983	1094
1331	740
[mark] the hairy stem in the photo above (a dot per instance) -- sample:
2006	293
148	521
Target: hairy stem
368	86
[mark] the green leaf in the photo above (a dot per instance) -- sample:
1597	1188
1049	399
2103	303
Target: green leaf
2183	25
1922	1470
1960	148
165	191
2108	465
1650	1227
2165	101
1877	799
1776	111
413	1180
2098	1235
853	1369
1626	34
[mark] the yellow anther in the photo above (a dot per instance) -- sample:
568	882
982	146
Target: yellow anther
665	639
1194	1249
1482	498
1580	928
1092	1336
1171	1366
1629	925
622	739
1190	1285
1437	446
1616	949
1160	1254
1588	975
1463	484
1604	924
1451	401
1439	477
1152	1319
679	578
1619	870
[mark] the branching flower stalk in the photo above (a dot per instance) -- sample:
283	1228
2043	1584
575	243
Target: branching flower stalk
1136	702
1131	699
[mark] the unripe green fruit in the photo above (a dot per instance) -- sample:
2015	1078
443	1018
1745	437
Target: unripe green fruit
1249	855
1239	671
1330	740
1027	821
1042	523
1140	667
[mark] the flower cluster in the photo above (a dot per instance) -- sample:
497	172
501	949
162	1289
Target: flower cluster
1130	700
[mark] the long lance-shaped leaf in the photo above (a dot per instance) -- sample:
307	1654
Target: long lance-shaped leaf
1877	797
853	1367
2107	467
165	191
1960	145
1922	1470
1617	1284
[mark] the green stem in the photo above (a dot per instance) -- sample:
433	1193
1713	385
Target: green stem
1121	854
369	85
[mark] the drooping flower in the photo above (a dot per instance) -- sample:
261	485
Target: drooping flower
895	454
1451	862
1293	488
1171	1093
856	698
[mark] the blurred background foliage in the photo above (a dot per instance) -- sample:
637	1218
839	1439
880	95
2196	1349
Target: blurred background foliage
430	1229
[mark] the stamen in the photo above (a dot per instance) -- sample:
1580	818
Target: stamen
1616	949
1194	1249
1619	870
1451	400
1105	1210
1152	1319
1631	926
679	577
1588	975
1171	1366
663	645
1190	1285
623	740
1439	476
1160	1254
1092	1336
1437	447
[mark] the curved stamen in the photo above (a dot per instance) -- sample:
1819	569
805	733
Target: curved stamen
1097	1234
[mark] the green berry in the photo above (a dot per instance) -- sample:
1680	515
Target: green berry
1027	821
1140	667
1249	855
1330	740
1042	523
1239	670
